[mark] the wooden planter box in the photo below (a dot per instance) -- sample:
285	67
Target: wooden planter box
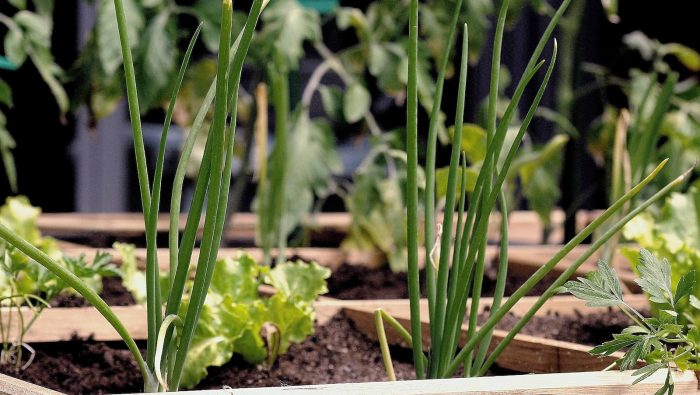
523	260
601	383
328	228
526	354
62	324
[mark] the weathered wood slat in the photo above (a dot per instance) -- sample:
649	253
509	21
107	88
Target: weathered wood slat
530	258
587	383
525	226
524	354
12	386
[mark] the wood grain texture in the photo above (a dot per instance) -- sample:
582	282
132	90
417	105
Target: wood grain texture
586	383
525	353
524	226
12	386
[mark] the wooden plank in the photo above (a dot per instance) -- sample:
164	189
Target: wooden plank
586	383
12	386
525	227
530	258
58	324
328	257
524	354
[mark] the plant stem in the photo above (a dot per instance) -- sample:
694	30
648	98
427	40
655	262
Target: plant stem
386	354
134	109
216	160
430	164
412	189
448	213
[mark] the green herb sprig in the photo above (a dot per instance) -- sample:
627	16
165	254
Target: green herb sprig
663	342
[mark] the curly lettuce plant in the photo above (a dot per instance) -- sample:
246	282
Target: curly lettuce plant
662	341
236	317
169	336
456	265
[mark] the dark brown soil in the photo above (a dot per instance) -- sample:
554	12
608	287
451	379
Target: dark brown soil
337	353
82	367
357	282
590	329
113	292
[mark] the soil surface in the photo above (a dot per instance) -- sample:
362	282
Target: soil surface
337	353
113	292
357	282
590	329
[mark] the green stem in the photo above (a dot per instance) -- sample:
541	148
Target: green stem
500	283
134	109
384	345
216	160
448	212
430	164
412	189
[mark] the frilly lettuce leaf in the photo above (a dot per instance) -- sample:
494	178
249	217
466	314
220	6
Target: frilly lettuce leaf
234	313
299	281
133	279
218	329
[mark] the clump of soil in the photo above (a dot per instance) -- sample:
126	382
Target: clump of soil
113	292
589	329
358	282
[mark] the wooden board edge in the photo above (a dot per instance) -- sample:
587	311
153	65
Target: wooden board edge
594	383
12	386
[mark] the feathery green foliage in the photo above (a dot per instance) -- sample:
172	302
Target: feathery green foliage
662	341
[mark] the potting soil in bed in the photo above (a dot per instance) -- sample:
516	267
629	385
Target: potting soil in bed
113	292
590	329
358	282
337	353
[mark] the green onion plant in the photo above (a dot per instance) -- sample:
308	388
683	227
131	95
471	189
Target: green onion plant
456	262
170	330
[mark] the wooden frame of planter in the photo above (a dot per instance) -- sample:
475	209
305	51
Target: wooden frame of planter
549	355
326	228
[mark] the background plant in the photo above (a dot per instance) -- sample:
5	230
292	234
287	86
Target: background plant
27	38
663	341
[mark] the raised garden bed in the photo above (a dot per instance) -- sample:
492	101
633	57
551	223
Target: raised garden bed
345	331
363	275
